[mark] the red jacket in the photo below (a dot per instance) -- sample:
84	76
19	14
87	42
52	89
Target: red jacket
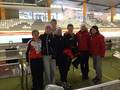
34	50
97	45
83	39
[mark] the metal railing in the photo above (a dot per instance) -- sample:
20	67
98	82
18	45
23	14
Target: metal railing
21	66
18	1
112	85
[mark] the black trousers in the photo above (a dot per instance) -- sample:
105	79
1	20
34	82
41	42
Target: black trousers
36	66
84	64
63	65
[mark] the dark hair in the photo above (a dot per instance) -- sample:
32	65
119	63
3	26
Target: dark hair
35	31
95	27
54	20
69	25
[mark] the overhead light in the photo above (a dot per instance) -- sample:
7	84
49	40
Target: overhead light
40	1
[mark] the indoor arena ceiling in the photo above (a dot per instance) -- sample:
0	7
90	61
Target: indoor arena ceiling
97	5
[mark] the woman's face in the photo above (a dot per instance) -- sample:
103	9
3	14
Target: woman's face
48	29
35	35
93	31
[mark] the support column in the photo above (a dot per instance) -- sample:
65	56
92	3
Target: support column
49	10
84	10
2	12
49	15
112	13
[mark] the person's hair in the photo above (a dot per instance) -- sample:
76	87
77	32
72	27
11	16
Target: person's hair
48	26
83	27
35	31
69	25
59	28
54	20
96	28
58	31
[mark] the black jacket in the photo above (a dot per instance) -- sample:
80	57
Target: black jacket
59	45
69	40
48	44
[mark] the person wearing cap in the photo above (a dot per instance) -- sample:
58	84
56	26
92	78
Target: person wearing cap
34	57
48	51
97	50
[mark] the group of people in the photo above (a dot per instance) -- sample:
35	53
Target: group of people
51	49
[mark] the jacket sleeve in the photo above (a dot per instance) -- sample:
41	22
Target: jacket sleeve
53	46
102	46
42	37
27	52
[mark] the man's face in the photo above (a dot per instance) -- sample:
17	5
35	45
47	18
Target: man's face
54	24
70	29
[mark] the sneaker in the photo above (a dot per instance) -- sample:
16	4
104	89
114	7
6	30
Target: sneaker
66	85
75	65
98	81
59	83
94	79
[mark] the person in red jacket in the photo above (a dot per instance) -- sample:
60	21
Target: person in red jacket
34	57
97	50
83	39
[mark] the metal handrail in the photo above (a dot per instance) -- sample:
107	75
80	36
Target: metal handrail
23	68
9	64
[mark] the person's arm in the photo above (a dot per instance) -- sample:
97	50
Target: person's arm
27	51
102	46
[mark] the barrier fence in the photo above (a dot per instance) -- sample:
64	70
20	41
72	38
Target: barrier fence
12	64
112	85
19	68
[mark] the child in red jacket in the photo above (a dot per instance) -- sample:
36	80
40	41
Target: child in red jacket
34	56
97	50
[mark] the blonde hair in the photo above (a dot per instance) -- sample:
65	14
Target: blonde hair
48	28
83	26
35	31
58	31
